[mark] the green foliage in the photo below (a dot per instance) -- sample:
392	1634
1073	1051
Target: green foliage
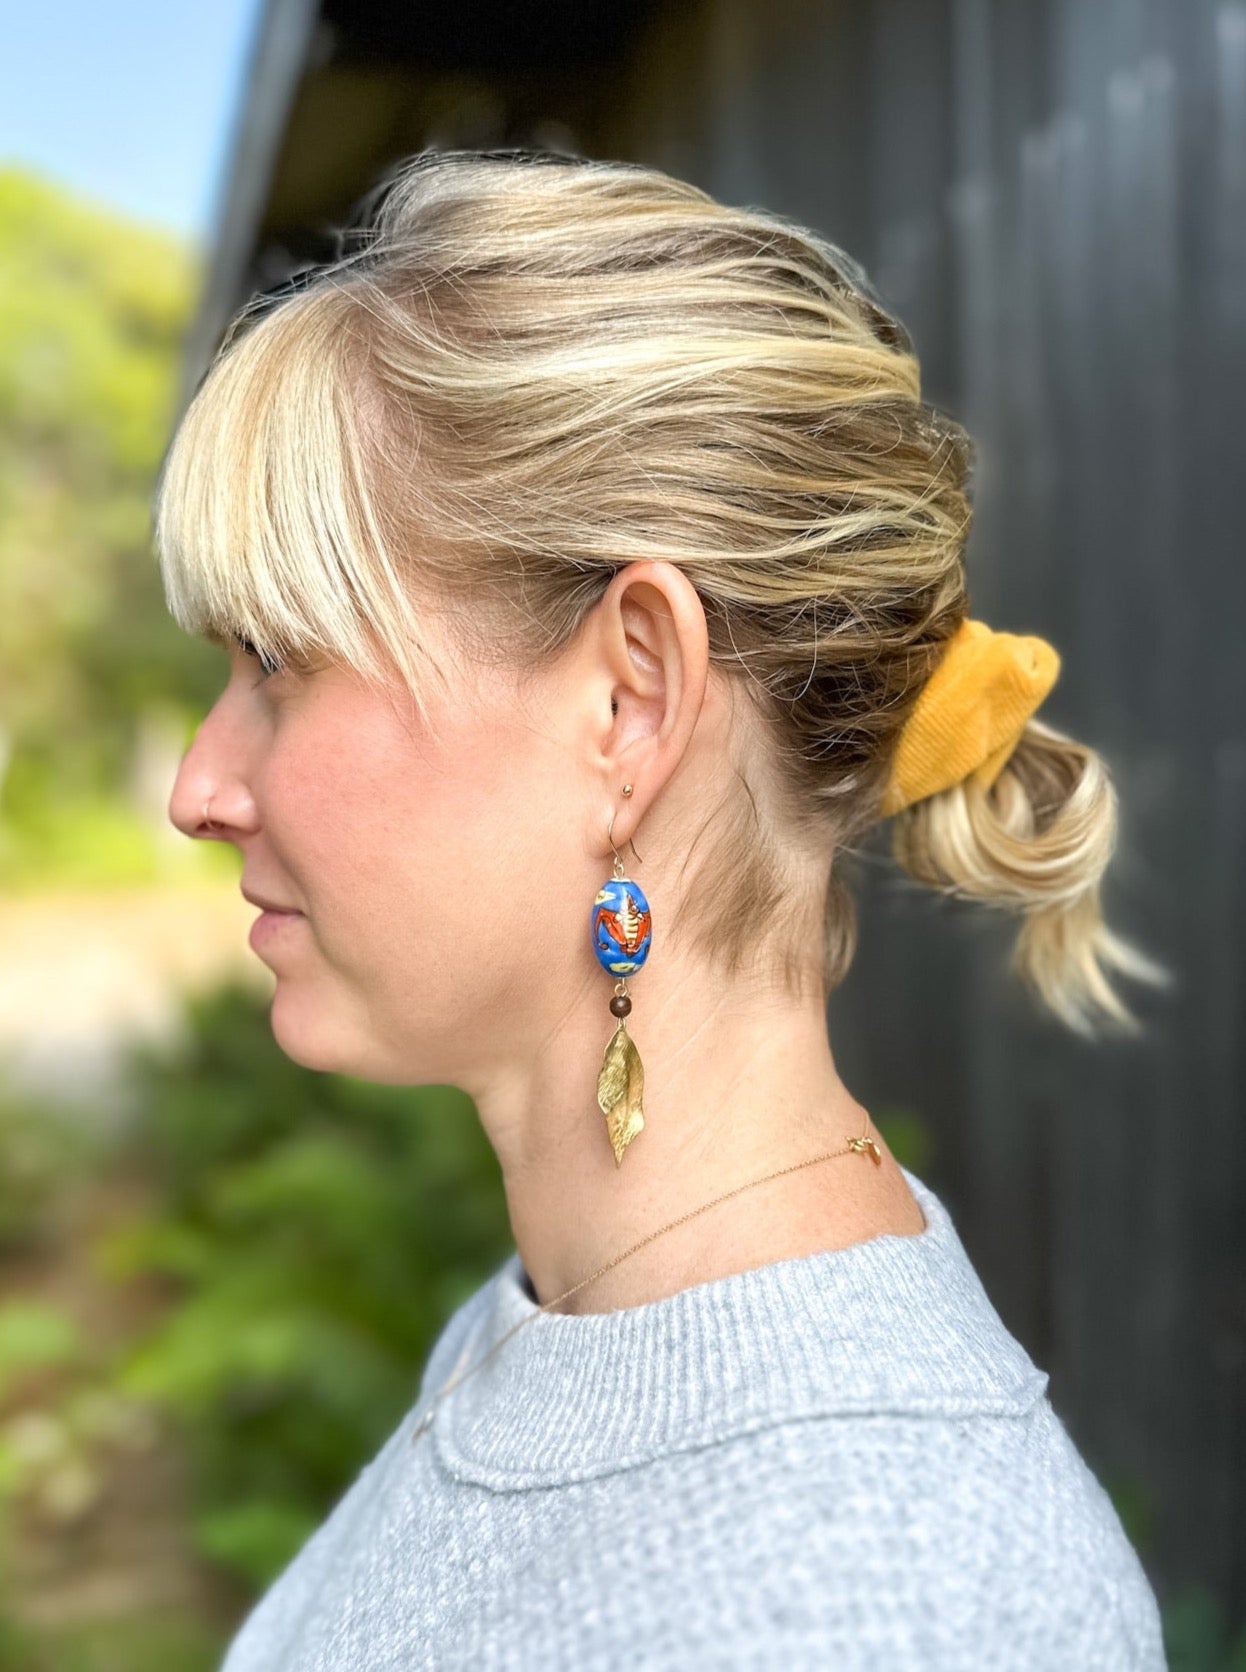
21	1650
908	1137
315	1232
131	1643
99	372
1196	1635
93	309
1134	1501
41	1152
79	841
34	1335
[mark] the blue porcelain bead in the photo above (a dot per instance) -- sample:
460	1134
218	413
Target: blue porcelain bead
621	926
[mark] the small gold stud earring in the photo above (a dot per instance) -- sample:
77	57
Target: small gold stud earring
627	789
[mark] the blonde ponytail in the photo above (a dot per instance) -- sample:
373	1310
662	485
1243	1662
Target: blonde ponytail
1037	843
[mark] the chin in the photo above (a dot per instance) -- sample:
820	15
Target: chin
304	1031
305	1038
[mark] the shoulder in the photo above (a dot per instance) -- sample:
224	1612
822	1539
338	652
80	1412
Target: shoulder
911	1541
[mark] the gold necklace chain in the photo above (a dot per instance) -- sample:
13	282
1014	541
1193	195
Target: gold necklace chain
863	1145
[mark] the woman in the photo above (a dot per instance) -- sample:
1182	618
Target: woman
573	507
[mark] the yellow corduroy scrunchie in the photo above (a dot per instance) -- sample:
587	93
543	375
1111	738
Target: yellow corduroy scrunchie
971	712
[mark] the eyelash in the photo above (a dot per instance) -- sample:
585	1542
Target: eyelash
267	663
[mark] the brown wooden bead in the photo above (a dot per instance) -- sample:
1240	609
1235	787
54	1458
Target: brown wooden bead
620	1005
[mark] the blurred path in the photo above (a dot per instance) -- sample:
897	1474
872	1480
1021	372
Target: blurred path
81	973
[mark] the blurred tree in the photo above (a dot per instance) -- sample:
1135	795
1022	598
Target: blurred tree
93	309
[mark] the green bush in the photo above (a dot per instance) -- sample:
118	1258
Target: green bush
42	1151
133	1643
315	1232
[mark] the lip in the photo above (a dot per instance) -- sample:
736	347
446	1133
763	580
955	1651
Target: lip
268	905
268	924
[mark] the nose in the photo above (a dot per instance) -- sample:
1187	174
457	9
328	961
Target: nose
210	782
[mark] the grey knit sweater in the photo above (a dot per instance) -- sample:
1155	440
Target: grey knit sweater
841	1461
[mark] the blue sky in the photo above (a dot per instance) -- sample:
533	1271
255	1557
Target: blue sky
127	102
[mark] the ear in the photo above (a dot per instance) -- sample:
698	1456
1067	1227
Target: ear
652	643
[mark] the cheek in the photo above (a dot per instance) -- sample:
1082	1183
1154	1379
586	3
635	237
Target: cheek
417	865
346	814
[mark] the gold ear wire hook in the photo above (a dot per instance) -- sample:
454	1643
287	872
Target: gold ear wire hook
618	858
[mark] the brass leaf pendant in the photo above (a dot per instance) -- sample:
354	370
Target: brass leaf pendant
620	1087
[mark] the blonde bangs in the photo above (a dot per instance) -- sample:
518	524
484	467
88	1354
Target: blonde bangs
264	525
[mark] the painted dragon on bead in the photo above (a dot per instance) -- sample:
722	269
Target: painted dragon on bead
627	926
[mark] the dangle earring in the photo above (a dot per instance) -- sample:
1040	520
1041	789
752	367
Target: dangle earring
622	930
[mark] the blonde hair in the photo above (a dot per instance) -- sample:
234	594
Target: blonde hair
533	369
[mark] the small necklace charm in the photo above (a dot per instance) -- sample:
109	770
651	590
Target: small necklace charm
866	1146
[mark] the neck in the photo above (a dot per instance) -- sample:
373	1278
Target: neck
746	1088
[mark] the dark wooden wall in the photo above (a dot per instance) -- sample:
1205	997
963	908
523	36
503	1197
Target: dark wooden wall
1053	197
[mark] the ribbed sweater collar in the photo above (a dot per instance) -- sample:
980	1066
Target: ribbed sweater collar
898	1324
